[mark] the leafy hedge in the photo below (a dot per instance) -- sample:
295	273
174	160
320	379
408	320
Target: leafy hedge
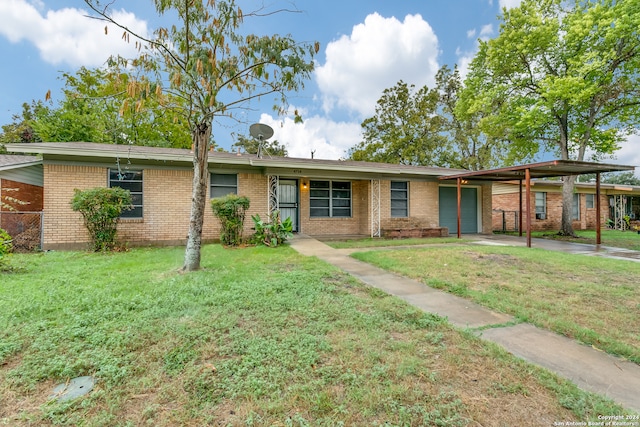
101	209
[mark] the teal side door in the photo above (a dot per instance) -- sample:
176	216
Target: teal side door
468	207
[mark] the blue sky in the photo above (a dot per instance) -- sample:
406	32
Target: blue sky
366	46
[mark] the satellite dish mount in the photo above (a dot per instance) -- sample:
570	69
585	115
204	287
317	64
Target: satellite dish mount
261	132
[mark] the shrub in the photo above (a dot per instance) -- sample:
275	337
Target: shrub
274	233
230	210
101	209
6	247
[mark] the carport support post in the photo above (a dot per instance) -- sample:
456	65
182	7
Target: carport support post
459	180
520	213
598	232
528	184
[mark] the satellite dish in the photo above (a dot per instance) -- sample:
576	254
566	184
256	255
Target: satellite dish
260	131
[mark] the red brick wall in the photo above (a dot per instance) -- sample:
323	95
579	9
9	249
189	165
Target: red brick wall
31	195
510	203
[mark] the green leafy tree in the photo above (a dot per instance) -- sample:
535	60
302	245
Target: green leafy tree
623	178
468	147
95	108
251	146
405	128
215	67
560	76
21	129
101	209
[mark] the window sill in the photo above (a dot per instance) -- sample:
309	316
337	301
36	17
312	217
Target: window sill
131	220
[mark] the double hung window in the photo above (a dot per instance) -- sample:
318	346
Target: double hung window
330	199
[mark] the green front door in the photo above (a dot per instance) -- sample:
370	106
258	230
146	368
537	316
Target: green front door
468	207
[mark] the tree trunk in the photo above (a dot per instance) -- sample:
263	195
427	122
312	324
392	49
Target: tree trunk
566	227
201	137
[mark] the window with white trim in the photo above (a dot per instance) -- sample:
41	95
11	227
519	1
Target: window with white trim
330	199
132	181
399	199
541	205
222	184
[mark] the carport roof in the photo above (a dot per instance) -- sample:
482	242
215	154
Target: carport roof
548	169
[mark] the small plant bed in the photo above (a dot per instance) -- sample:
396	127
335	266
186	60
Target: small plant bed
258	337
593	300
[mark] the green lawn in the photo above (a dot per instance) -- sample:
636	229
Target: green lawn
629	239
380	242
593	300
258	337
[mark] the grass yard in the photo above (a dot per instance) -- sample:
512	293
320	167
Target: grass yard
593	300
629	239
258	337
380	242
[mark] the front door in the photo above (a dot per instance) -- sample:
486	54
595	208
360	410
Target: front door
288	200
468	207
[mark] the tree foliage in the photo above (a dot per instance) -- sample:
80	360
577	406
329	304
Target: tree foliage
560	76
424	127
101	209
21	129
624	178
405	128
467	146
215	67
251	146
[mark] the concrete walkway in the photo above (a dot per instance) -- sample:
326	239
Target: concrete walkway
586	367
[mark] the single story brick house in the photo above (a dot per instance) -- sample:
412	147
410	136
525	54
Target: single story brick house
546	205
323	197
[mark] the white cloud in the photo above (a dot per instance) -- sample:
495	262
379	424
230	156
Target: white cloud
629	153
378	53
486	31
471	33
329	139
67	36
509	3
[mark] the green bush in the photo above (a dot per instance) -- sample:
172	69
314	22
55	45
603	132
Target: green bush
274	233
6	247
230	210
101	209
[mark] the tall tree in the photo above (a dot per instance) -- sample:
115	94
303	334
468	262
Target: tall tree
21	129
468	146
405	128
560	76
215	67
425	127
95	108
252	145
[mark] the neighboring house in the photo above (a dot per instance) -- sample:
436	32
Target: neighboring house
21	197
323	197
616	202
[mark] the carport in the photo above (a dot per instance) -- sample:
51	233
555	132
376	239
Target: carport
548	169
